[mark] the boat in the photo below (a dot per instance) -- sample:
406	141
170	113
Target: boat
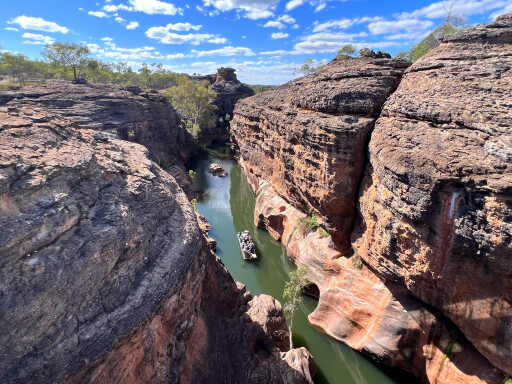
245	241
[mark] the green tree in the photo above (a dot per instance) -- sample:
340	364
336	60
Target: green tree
72	55
193	102
309	66
345	51
17	66
293	290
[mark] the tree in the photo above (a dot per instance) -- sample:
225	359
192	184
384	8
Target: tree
16	66
346	50
72	55
293	290
193	102
309	66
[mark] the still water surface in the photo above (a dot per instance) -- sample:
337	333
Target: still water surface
228	204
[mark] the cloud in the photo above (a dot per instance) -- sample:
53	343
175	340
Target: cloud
38	24
280	22
274	24
132	25
258	9
37	39
328	42
334	24
460	8
320	7
279	35
98	14
294	4
380	27
112	51
165	36
107	39
12	29
151	7
225	51
183	27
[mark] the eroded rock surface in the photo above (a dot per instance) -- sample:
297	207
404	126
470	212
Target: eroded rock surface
370	314
308	138
142	117
229	90
105	275
436	204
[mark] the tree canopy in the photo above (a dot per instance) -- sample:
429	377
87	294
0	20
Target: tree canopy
75	56
192	100
293	290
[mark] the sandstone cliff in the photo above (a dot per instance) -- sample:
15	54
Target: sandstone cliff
434	203
105	275
229	91
308	138
142	117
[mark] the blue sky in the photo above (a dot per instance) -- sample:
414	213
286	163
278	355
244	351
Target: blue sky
263	39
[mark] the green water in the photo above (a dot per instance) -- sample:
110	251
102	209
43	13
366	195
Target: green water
228	204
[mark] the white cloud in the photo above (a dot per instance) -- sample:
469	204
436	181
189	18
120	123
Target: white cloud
81	9
320	7
334	24
119	19
153	7
461	8
12	29
259	9
181	27
107	39
225	51
274	24
163	35
132	25
279	35
37	39
98	14
294	4
380	27
112	51
500	12
38	24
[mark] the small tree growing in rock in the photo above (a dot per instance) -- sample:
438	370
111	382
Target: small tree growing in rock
293	290
345	52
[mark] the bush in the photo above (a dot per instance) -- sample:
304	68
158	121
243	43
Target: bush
358	263
308	224
323	232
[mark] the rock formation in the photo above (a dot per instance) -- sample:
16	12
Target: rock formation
433	235
229	90
142	117
104	273
308	138
216	170
436	204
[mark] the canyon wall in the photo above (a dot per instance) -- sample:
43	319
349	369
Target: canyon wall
146	118
422	281
104	273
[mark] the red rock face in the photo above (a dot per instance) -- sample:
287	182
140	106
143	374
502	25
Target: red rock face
370	314
436	204
105	275
308	138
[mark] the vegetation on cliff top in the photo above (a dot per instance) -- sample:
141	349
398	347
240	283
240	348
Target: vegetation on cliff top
293	290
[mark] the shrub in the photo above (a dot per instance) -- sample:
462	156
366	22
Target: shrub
323	232
358	263
308	224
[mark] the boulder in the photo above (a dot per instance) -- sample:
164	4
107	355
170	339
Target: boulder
216	170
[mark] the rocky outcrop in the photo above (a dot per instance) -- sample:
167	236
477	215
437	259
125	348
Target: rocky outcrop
433	234
368	313
308	138
216	170
229	91
436	204
146	118
105	275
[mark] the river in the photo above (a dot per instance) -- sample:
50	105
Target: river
228	204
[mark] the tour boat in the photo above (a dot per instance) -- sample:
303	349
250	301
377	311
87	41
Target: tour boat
246	254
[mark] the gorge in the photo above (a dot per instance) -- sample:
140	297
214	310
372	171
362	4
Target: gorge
427	212
106	275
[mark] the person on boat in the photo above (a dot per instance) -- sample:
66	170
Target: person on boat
251	247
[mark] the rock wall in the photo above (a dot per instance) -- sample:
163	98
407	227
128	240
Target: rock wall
433	203
142	117
229	91
436	204
105	275
308	138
